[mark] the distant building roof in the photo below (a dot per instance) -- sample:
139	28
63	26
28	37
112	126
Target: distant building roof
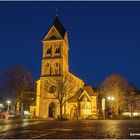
89	90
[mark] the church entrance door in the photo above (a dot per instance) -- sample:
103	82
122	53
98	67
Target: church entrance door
51	110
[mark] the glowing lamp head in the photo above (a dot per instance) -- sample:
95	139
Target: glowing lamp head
8	102
112	98
109	98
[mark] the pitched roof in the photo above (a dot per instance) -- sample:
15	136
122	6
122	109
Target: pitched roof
89	90
60	28
76	96
84	94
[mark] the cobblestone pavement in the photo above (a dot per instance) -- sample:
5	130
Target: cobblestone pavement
86	129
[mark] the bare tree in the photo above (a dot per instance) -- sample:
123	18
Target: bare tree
115	86
63	89
17	81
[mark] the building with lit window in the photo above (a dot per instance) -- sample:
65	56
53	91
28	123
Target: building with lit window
55	66
133	105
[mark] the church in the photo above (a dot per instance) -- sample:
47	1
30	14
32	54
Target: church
59	92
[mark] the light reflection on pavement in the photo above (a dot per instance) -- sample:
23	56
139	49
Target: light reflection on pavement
84	129
13	124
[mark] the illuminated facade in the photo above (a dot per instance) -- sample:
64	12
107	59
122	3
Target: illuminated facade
55	66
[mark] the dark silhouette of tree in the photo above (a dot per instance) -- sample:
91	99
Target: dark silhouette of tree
17	81
115	86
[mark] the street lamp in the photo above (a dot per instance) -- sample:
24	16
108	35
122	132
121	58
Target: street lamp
8	103
103	107
109	98
112	98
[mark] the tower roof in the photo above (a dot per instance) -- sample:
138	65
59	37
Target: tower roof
60	28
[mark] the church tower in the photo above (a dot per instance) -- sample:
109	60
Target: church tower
54	65
55	51
78	99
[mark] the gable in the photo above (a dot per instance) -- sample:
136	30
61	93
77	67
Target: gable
52	34
84	94
57	30
82	99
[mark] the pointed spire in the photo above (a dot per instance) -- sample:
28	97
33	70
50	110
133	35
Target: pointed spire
60	28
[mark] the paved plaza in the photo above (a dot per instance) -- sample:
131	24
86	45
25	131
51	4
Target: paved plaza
84	129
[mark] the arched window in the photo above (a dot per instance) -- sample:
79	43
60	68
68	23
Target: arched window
56	64
47	64
49	51
48	69
56	68
57	51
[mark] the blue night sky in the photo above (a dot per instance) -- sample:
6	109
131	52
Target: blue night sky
104	37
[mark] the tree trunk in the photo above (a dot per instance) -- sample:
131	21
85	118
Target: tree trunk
61	115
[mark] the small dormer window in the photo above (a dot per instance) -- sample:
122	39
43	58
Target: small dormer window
53	37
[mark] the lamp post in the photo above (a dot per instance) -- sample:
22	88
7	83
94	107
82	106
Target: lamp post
111	98
103	107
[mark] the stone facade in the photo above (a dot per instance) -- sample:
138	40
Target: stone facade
82	99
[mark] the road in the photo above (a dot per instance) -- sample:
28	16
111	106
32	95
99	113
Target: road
85	129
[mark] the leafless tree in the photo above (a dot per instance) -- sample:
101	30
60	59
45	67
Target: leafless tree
63	89
17	81
115	86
